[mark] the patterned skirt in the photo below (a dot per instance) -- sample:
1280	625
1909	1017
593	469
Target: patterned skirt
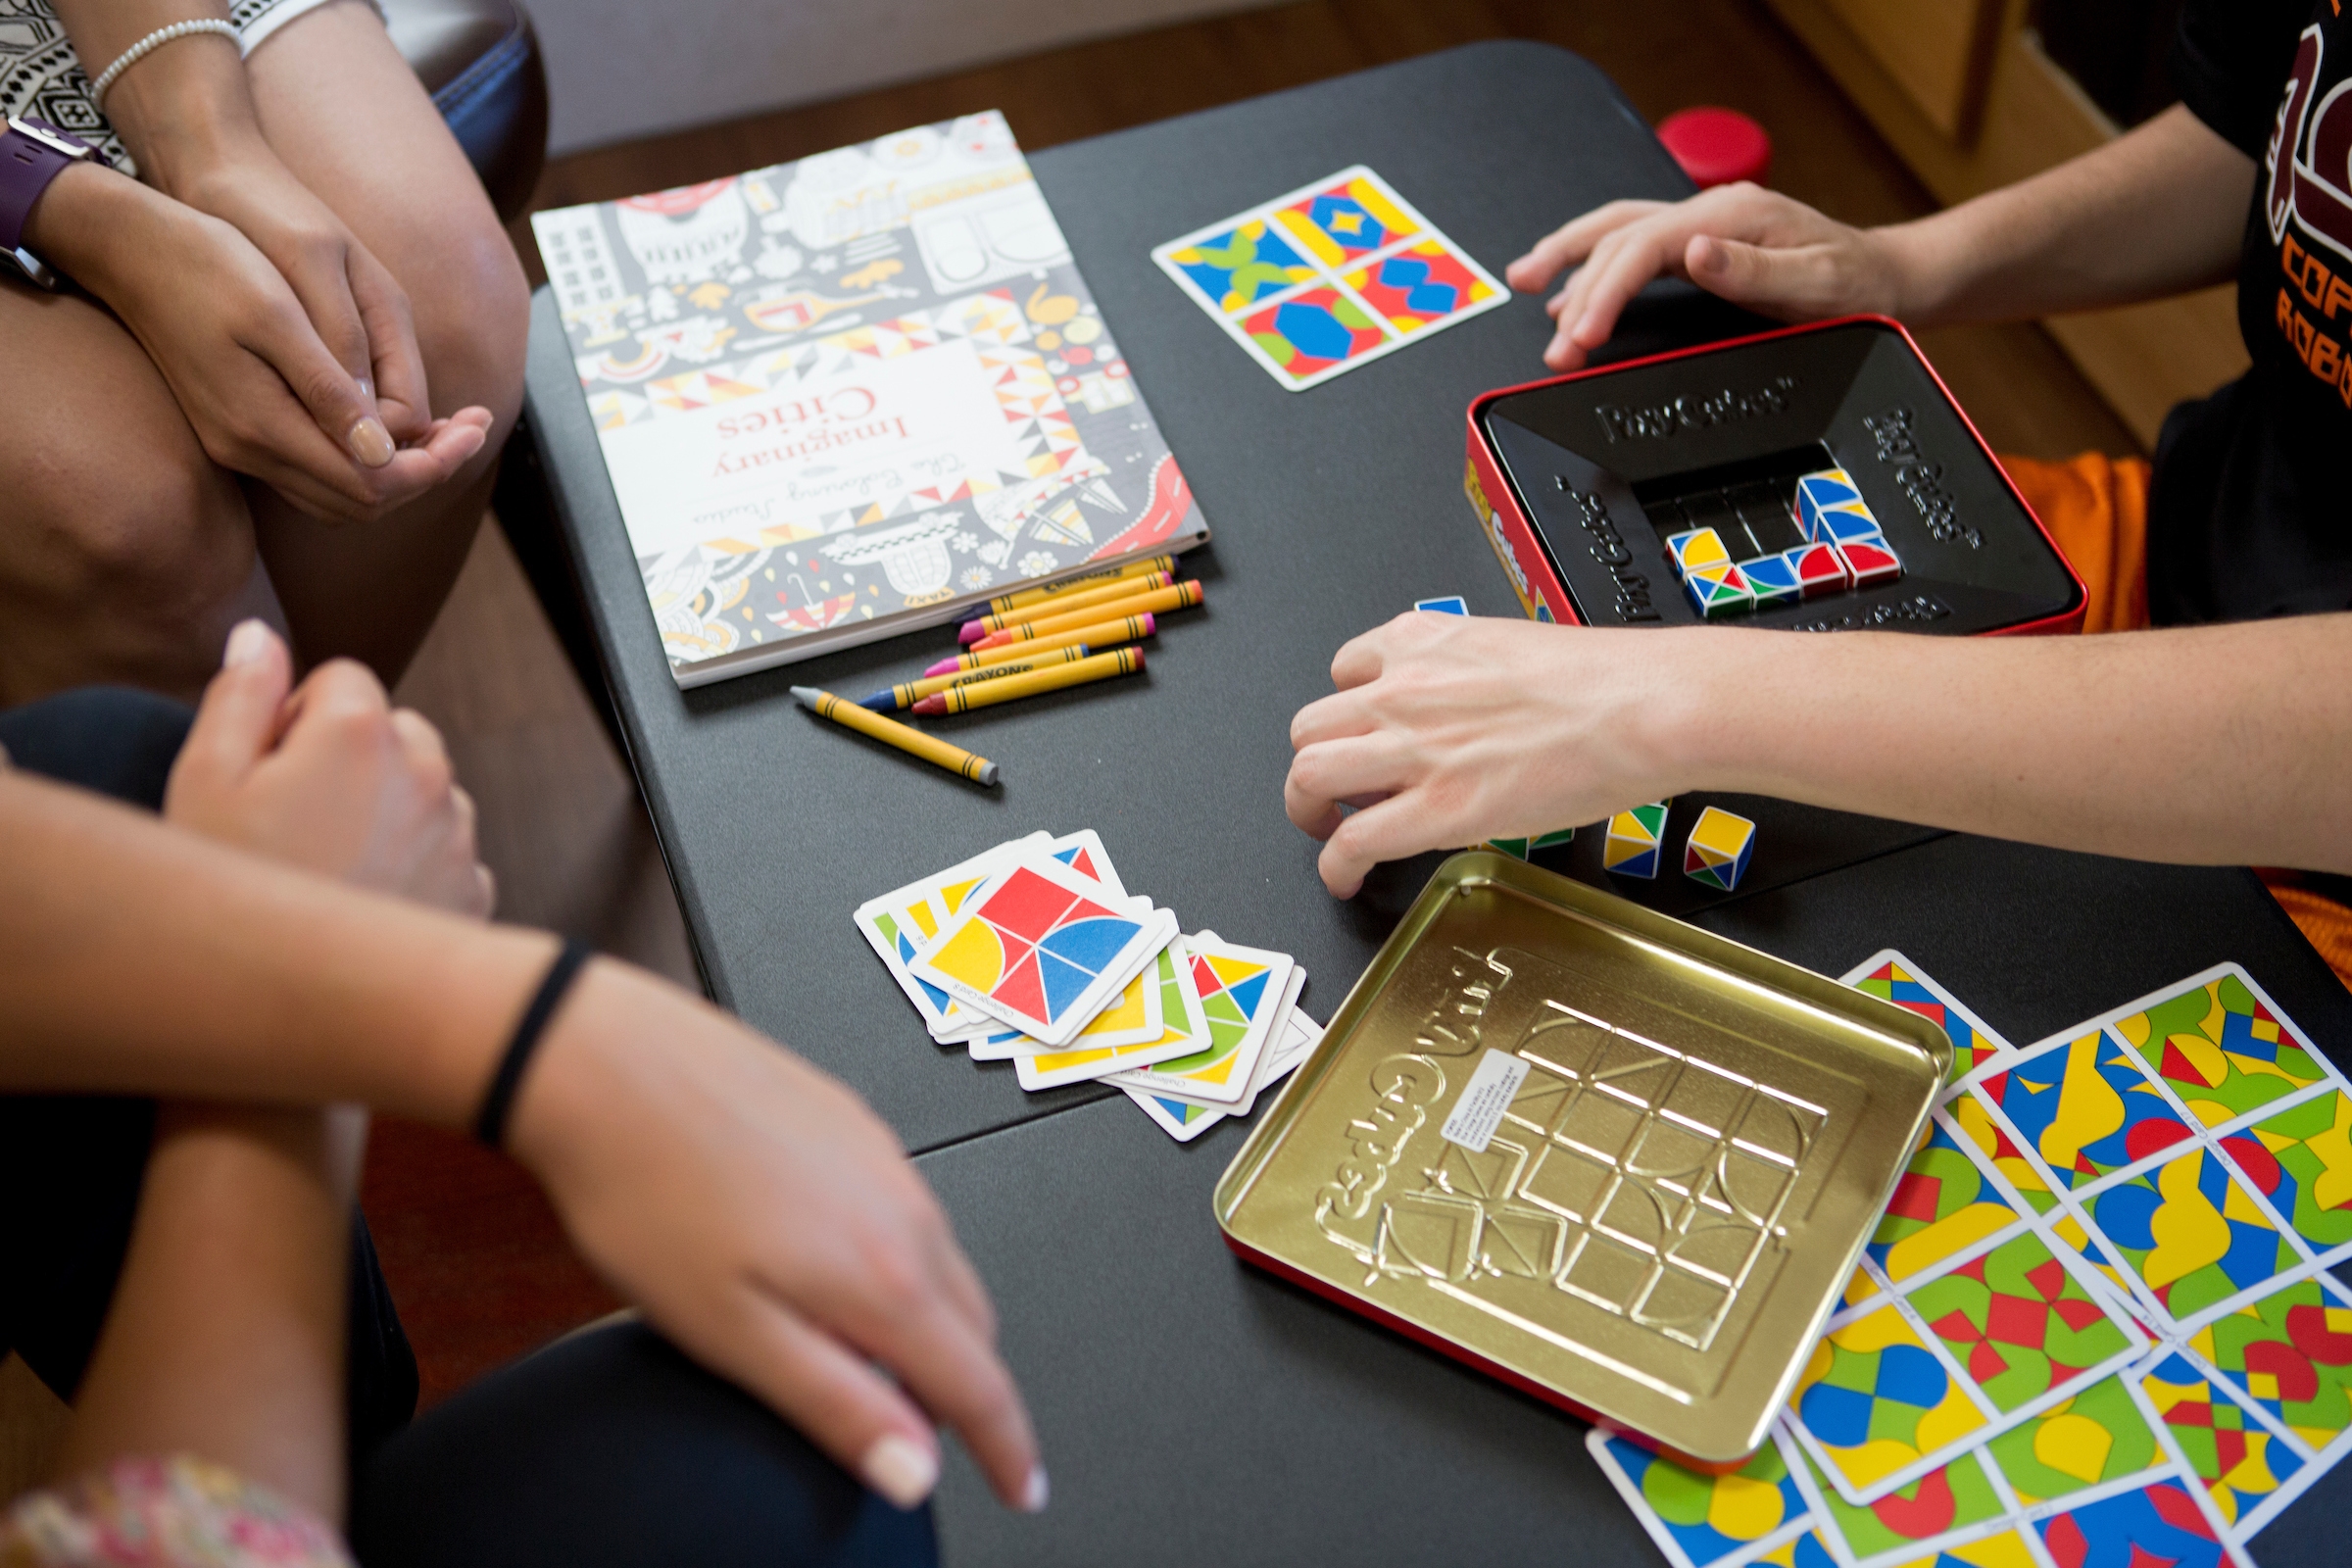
40	77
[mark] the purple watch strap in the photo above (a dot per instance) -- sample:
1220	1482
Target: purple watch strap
28	163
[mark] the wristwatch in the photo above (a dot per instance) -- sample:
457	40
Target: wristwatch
32	153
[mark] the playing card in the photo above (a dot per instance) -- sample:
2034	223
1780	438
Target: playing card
1889	975
1178	1120
1291	1037
1241	992
1330	277
1174	1009
1698	1520
2250	1470
901	923
1038	947
1118	1023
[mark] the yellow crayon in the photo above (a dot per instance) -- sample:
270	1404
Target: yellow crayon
890	732
1098	636
1065	604
1176	596
1032	683
909	693
1030	596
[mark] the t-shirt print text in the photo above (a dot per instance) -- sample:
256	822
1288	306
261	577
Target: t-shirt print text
2308	202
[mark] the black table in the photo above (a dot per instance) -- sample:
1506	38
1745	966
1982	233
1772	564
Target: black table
1191	1409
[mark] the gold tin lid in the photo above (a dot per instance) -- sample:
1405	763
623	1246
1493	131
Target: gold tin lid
1616	1160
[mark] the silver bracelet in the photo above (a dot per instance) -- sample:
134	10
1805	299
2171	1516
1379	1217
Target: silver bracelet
152	42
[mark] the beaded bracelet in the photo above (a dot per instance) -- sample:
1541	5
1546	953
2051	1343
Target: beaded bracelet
152	42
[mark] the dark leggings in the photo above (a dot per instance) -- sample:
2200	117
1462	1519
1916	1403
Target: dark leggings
608	1447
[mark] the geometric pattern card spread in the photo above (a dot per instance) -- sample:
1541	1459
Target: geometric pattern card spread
1166	1000
1977	1317
1242	993
2197	1133
1329	277
1040	947
1889	976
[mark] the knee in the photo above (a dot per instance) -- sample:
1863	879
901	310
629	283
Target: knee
162	539
472	312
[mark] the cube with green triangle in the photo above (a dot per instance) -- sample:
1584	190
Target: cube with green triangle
1634	835
1526	849
1718	848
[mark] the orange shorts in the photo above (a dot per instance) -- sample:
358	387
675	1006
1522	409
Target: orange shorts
2097	510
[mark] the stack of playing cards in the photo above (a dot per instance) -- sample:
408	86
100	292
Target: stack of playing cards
2098	1324
1035	953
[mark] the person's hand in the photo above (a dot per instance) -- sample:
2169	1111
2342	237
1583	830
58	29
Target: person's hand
330	777
1753	247
265	395
358	311
768	1222
1450	730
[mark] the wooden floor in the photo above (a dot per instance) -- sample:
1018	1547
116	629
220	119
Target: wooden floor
480	1267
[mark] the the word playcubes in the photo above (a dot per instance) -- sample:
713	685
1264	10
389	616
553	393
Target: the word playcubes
1634	836
1527	848
1719	847
1719	591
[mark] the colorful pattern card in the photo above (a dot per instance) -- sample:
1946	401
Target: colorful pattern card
1242	990
1329	277
1704	1521
1184	1121
1175	1014
1893	977
1038	947
1278	1043
899	924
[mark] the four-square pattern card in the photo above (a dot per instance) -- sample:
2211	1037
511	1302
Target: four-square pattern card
1331	276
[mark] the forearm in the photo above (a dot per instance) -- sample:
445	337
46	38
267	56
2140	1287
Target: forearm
184	108
2223	745
143	960
2156	212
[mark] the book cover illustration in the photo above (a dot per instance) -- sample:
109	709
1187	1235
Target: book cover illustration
845	397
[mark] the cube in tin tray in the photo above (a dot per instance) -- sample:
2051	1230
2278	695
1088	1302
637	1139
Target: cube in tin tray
1772	579
1827	489
1870	561
1837	526
1718	591
1820	569
1696	547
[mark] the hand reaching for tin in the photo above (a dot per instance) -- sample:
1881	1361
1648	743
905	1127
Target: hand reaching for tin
1448	730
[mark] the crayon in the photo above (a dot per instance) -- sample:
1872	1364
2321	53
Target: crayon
1126	587
910	693
1030	596
890	732
1101	635
1032	683
1176	596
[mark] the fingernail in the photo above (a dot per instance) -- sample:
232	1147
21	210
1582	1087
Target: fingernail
1036	1491
899	1469
248	643
370	442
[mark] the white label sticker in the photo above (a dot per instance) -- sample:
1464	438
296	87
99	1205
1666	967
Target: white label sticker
1485	1099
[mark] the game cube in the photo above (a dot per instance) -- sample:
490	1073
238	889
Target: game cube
1719	591
1772	579
1634	835
1868	561
1617	495
1818	569
1718	848
1528	849
1696	546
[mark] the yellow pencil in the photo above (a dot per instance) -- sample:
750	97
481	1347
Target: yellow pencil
1125	588
1030	596
1176	596
890	732
1033	683
909	693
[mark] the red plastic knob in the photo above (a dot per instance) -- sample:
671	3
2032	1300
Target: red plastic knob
1717	146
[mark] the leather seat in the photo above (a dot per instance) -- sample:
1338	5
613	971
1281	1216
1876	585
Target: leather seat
480	61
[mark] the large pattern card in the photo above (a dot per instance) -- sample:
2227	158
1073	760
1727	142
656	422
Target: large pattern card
1175	1015
1329	277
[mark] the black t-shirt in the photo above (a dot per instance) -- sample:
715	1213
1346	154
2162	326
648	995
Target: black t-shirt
2250	514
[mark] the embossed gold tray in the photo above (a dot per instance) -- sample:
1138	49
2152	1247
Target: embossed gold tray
1668	1204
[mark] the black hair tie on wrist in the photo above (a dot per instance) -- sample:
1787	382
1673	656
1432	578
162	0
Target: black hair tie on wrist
490	1122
